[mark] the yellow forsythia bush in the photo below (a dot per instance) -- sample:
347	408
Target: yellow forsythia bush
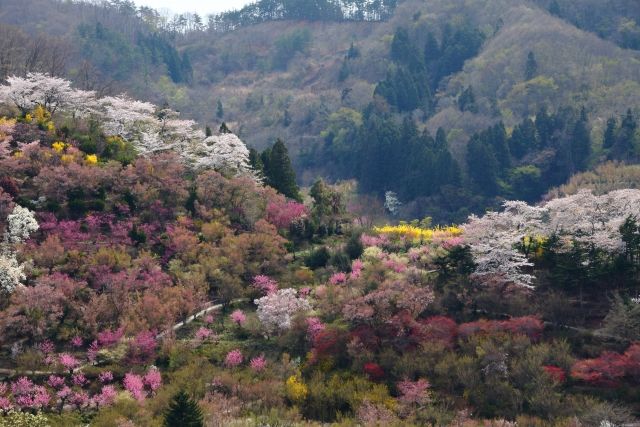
296	390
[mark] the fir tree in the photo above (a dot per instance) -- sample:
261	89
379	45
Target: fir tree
610	133
183	412
531	67
280	173
220	110
581	142
224	128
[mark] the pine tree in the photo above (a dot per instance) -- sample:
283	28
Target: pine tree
280	173
531	67
207	131
183	412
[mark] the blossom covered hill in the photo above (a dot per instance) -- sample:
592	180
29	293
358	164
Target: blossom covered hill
121	222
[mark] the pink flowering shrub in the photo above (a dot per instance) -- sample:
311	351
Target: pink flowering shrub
106	397
55	381
238	317
258	364
46	347
338	278
152	379
265	284
68	361
203	334
283	214
77	341
356	269
105	377
109	338
134	384
314	327
143	348
79	379
234	358
413	392
92	351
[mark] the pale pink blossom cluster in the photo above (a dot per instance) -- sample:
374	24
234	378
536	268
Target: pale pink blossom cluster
276	310
414	392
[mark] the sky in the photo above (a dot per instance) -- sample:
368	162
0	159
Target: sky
202	7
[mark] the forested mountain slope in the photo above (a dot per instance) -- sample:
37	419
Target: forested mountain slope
320	75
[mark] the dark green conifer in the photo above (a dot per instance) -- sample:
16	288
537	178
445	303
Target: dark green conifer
183	412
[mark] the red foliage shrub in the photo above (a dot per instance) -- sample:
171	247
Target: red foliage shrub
439	329
606	370
529	326
556	373
328	343
367	336
373	371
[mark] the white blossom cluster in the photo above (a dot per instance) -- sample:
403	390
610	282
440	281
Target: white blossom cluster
150	129
276	310
583	217
22	224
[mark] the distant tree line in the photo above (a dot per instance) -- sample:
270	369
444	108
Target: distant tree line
309	10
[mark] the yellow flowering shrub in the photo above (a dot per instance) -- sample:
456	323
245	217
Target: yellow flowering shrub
41	115
67	158
417	233
28	118
296	390
91	159
59	146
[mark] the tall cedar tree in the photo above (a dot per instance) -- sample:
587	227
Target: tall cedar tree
183	412
279	171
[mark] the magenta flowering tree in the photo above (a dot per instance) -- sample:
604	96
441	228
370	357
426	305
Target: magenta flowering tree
283	213
238	317
152	379
234	358
314	327
265	284
338	279
68	361
143	348
105	377
134	384
258	364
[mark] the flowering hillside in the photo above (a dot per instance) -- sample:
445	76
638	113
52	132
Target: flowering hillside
148	276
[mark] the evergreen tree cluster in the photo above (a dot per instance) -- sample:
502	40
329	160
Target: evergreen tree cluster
402	159
538	154
415	73
275	165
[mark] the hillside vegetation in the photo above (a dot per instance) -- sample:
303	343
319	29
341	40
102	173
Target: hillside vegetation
144	283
